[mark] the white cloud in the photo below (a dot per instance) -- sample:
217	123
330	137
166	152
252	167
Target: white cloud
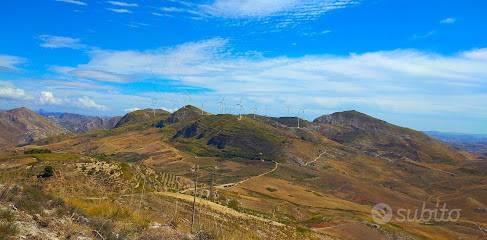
213	65
48	98
249	8
90	73
280	13
448	20
87	102
76	2
8	62
128	110
123	4
9	91
49	41
119	10
297	10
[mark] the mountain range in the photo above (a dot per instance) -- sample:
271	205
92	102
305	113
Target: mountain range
279	176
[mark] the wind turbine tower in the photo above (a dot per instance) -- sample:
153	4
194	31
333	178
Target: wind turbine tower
222	105
240	105
299	118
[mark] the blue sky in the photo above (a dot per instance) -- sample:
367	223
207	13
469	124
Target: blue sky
420	64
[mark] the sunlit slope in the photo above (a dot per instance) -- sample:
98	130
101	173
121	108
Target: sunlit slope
382	139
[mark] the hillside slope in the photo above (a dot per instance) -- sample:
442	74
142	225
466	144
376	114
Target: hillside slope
379	138
21	125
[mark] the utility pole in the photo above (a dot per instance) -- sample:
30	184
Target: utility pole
195	171
299	118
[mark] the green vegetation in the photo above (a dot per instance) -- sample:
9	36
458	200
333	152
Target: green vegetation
226	136
47	173
146	117
7	224
234	204
37	151
271	189
57	157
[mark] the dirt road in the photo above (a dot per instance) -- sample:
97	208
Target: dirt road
230	185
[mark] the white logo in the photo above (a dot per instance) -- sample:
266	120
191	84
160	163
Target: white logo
381	213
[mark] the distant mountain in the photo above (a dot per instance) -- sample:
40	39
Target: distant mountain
475	143
21	125
379	138
79	123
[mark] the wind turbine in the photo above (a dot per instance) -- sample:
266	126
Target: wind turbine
299	118
255	110
154	105
240	105
202	107
222	105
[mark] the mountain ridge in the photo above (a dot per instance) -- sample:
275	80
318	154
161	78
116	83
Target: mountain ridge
78	123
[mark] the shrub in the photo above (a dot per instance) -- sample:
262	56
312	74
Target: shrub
37	151
271	189
7	230
6	216
234	204
201	235
7	225
47	173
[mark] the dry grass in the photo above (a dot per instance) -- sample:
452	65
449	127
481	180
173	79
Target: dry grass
109	210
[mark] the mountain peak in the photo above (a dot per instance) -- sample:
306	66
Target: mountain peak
188	112
144	116
351	118
21	110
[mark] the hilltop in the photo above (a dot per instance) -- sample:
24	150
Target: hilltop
147	117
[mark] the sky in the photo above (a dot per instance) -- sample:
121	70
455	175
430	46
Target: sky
418	64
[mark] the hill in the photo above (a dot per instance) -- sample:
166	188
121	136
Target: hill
79	123
379	138
145	117
225	135
21	126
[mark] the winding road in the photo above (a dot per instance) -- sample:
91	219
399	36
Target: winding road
230	185
316	159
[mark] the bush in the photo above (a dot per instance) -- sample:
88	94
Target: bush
204	236
37	151
234	204
7	229
47	173
271	189
7	225
6	216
